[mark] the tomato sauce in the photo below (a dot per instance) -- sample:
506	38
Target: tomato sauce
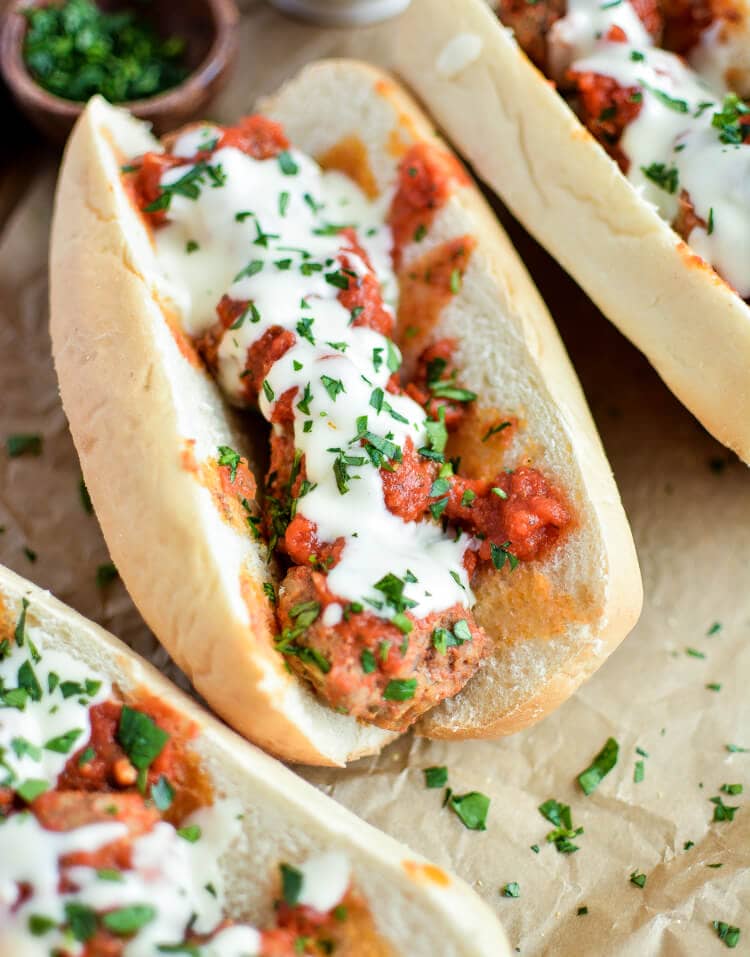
426	177
606	109
426	286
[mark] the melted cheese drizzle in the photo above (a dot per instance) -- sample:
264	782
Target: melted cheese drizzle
673	128
181	880
279	239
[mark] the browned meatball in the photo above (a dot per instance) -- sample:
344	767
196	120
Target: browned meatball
531	22
367	667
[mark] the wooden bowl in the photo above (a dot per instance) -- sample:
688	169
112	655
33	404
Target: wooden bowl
209	30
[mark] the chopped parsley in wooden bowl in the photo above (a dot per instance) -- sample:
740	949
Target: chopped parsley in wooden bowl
163	59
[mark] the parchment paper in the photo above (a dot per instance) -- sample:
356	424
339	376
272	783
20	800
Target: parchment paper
689	503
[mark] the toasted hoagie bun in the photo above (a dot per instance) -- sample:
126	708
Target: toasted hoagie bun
524	140
223	795
147	421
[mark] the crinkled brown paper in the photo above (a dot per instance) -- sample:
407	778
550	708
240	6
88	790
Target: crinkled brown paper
689	503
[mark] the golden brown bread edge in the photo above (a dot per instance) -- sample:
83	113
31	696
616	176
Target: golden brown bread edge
418	909
525	142
133	401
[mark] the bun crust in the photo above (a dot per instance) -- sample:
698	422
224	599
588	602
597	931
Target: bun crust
525	142
135	402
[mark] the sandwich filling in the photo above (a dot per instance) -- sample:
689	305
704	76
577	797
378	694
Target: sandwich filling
288	278
675	129
110	837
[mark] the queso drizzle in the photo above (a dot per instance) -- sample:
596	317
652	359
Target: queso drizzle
285	276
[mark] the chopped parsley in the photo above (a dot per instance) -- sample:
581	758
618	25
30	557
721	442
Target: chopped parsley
500	554
81	920
494	429
19	633
190	833
85	498
63	742
367	660
188	185
400	689
559	815
727	933
162	793
128	920
679	106
444	638
513	889
722	811
471	809
105	574
435	777
304	329
141	738
728	120
231	459
333	387
291	884
665	177
638	879
23	444
287	164
252	269
606	759
731	788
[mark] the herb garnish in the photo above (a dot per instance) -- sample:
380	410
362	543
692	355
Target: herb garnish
666	177
435	777
471	809
680	106
559	815
128	920
188	185
231	459
400	689
726	932
23	444
141	738
722	811
606	759
291	884
728	122
75	50
105	574
500	554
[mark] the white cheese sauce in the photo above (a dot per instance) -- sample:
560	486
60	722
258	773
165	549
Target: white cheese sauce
671	144
178	881
47	719
175	879
265	236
